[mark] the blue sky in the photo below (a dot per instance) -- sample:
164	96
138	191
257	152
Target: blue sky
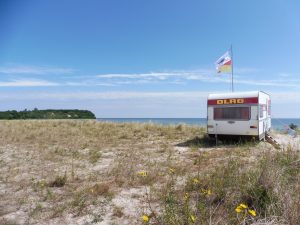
140	58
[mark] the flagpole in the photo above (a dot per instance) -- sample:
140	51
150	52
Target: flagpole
231	53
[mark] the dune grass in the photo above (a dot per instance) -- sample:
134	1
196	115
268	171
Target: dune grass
168	174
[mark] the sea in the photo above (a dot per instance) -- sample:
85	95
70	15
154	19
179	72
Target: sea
277	123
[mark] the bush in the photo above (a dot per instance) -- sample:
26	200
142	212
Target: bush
293	126
59	181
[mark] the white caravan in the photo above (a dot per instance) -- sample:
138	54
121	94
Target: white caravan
239	114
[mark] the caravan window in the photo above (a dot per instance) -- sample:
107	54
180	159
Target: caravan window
262	109
232	113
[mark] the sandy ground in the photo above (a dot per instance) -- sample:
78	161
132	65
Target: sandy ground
287	141
20	171
26	199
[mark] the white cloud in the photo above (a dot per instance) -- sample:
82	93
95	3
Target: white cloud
284	75
43	83
36	70
141	76
156	75
27	83
273	83
205	76
177	77
87	83
187	74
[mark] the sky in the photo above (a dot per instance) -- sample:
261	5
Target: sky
146	59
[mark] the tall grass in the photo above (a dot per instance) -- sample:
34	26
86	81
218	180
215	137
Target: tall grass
57	168
269	188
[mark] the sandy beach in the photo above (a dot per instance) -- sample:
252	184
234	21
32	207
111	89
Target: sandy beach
89	172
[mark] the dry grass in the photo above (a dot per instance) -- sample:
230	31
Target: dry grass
89	172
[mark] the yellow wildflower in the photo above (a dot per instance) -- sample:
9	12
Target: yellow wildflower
243	206
196	181
186	196
145	218
142	173
171	170
208	193
238	210
193	218
252	212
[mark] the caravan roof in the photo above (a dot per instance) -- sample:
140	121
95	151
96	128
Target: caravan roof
247	94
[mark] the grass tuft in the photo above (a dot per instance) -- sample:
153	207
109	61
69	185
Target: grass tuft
59	181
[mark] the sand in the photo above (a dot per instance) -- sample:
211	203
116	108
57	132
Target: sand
27	167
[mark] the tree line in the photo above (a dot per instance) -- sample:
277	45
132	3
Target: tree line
46	114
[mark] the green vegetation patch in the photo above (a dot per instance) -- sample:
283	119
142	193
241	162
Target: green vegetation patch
47	114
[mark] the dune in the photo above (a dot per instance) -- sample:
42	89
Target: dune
91	172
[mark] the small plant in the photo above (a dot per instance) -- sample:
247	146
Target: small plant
58	210
38	208
293	126
142	173
179	127
244	214
145	219
59	181
97	218
11	223
118	212
79	202
94	156
38	185
100	189
145	178
49	194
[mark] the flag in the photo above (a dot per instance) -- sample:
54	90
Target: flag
224	63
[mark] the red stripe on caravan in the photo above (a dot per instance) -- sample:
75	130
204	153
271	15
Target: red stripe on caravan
232	101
